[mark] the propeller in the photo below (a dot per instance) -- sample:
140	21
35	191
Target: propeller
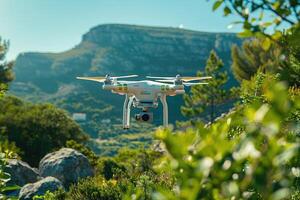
179	78
191	84
102	79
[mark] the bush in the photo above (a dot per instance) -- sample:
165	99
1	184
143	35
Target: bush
95	188
5	177
37	129
109	168
261	162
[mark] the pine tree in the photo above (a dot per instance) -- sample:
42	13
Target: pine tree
252	57
6	74
207	97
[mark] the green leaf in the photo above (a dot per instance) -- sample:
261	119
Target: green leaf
245	33
227	11
217	4
277	35
10	188
266	44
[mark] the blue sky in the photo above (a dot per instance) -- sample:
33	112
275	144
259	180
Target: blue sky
57	25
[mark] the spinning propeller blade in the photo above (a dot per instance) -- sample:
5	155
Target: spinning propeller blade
191	84
98	79
102	79
165	81
187	79
129	76
179	78
160	77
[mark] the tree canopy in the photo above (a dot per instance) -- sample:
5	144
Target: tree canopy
37	129
6	74
251	58
208	97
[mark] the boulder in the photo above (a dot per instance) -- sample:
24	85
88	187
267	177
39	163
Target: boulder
21	173
50	184
67	165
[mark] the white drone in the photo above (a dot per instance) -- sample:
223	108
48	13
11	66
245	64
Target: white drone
144	94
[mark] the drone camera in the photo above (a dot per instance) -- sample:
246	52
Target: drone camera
144	117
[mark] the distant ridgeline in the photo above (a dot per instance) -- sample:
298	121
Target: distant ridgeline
116	50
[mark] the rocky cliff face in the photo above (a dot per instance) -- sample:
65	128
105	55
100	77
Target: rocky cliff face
117	50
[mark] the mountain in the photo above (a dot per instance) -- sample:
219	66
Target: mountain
115	49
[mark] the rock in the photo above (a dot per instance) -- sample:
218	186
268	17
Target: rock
28	191
21	173
67	165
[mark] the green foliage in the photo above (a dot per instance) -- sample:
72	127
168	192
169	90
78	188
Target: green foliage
251	58
8	148
130	174
95	188
109	168
253	17
5	177
59	194
204	97
37	129
6	74
290	68
262	162
93	158
137	161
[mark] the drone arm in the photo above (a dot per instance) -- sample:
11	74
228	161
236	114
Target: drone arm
163	100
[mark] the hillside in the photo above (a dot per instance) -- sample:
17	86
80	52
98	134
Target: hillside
117	50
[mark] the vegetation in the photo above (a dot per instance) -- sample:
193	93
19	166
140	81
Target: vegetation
129	173
253	14
6	74
261	161
5	177
255	24
252	57
208	97
252	152
43	127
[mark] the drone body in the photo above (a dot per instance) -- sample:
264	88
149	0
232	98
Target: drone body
145	94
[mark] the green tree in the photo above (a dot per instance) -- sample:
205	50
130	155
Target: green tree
207	97
269	30
249	59
6	74
37	129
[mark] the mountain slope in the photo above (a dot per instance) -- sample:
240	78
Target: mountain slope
117	50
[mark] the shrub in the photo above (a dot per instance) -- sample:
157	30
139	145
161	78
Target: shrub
5	177
262	162
37	129
95	188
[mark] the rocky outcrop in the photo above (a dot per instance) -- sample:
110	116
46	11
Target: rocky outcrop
28	191
67	165
21	173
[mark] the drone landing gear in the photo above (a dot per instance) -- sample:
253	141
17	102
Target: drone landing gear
163	100
127	107
126	111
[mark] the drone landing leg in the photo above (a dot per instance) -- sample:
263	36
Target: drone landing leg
127	124
125	111
163	100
